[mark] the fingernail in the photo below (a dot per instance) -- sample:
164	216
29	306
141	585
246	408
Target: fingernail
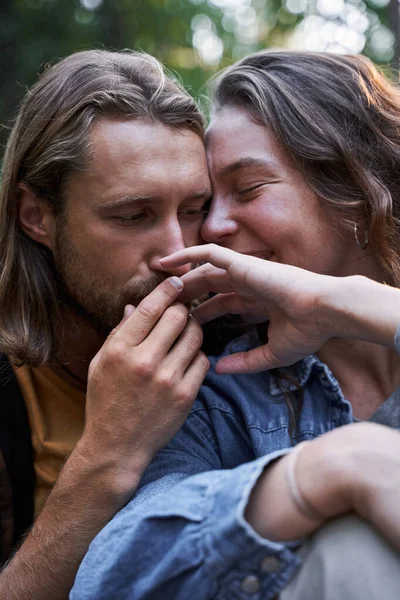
177	283
128	310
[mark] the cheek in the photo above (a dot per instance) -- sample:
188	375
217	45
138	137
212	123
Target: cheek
191	235
115	256
106	253
262	218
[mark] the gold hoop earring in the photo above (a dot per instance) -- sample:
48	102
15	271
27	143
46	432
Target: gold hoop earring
363	245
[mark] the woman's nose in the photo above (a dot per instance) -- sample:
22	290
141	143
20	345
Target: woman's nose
218	224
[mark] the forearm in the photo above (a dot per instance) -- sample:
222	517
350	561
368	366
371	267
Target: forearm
85	498
271	510
322	477
360	308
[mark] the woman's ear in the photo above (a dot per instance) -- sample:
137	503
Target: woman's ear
35	216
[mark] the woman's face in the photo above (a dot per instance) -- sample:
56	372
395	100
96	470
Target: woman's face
263	206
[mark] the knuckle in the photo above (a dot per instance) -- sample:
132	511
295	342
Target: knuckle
212	248
184	395
116	353
195	339
177	314
148	310
165	380
144	367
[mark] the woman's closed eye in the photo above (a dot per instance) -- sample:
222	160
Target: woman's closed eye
251	188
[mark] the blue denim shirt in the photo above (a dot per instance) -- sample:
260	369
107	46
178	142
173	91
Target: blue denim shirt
184	534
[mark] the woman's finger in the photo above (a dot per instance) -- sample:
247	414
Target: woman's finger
216	255
203	280
222	304
228	304
264	278
253	361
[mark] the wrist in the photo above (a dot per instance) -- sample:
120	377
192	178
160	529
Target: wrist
115	474
335	306
357	307
325	477
295	491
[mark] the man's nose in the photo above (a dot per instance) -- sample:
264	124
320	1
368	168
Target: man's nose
218	224
170	241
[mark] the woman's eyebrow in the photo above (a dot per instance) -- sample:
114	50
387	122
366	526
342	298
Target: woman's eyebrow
247	162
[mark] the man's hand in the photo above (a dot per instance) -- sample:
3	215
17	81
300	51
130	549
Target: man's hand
143	381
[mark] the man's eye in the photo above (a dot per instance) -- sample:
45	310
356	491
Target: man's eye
193	213
131	218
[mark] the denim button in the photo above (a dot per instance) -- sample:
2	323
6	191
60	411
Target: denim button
251	584
270	564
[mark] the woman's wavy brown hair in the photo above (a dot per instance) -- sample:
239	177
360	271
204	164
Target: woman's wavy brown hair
49	141
338	118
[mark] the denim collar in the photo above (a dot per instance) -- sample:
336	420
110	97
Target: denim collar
299	374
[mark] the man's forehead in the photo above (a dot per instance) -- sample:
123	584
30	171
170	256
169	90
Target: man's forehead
140	139
131	156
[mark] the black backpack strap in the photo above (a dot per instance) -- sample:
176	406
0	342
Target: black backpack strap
16	447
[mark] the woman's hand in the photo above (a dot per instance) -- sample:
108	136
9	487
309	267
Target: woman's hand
289	297
304	309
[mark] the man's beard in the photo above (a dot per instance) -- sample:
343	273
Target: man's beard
94	298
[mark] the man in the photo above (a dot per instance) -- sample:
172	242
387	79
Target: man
104	174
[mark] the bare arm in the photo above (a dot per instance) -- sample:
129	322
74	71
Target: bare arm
359	308
351	469
141	387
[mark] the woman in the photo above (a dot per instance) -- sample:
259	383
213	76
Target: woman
304	157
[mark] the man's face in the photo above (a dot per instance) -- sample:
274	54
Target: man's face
140	198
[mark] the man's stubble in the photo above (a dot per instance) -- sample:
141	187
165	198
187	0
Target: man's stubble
95	298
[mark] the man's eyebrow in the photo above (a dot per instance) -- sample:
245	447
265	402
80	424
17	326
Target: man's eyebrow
130	199
246	162
126	201
205	194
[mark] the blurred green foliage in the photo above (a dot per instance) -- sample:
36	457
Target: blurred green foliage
192	37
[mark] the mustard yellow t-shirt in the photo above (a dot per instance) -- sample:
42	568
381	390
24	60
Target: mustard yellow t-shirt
56	412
